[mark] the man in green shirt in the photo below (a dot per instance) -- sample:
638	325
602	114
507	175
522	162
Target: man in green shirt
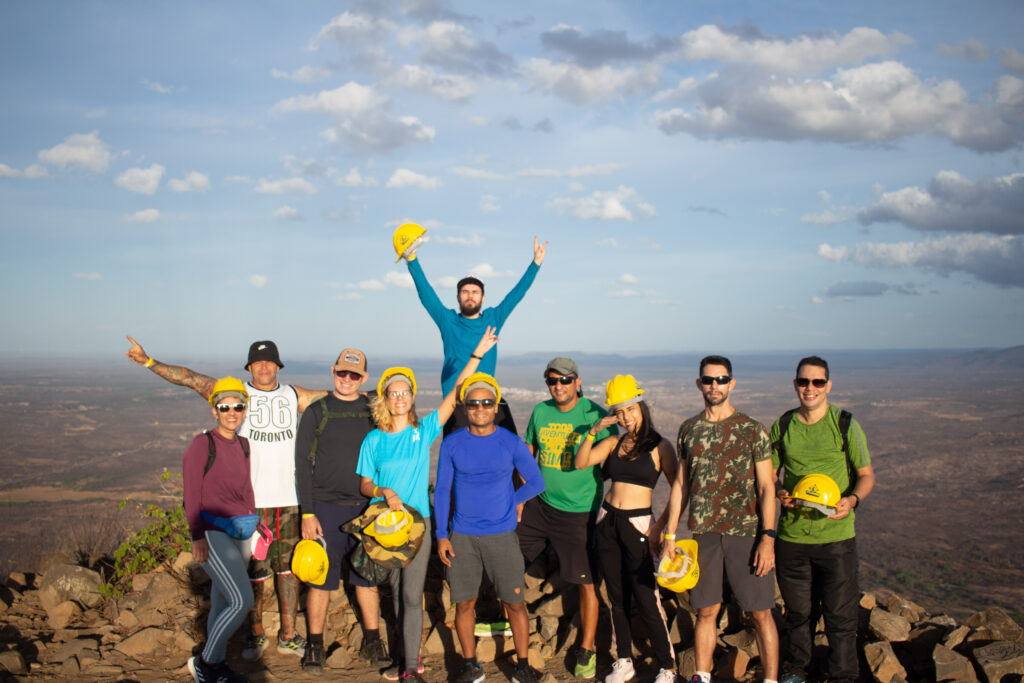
563	514
816	554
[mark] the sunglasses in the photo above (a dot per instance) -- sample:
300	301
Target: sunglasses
706	380
347	374
479	402
804	381
552	381
228	407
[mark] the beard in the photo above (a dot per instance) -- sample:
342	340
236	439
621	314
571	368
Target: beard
716	400
469	310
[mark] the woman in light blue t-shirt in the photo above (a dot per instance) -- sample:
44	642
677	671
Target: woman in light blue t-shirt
394	465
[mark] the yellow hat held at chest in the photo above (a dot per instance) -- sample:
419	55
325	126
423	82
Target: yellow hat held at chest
391	528
817	491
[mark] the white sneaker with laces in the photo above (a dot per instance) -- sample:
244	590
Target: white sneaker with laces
666	676
622	671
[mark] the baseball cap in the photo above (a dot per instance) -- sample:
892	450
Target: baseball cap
469	280
353	360
263	350
563	366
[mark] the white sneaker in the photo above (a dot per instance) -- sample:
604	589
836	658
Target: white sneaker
666	676
622	671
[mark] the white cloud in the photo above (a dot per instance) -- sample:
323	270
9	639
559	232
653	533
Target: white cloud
477	173
403	177
140	180
258	281
1011	59
397	278
953	203
448	87
827	251
609	242
362	118
353	29
489	204
478	121
485	271
309	167
451	46
80	149
157	87
827	217
874	103
355	179
805	54
144	216
239	179
594	170
969	49
36	171
621	204
304	74
817	300
284	186
192	182
603	45
288	213
990	258
367	285
348	296
631	293
473	241
627	279
582	85
95	277
8	172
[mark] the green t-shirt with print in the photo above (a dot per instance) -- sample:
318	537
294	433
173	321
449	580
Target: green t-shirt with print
818	449
555	437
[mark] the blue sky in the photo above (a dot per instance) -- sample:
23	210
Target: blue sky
711	176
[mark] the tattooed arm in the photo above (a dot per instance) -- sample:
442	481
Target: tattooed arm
308	396
175	374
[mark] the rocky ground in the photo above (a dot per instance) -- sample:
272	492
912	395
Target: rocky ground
56	625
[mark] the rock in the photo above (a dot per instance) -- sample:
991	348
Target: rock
70	667
161	589
547	627
70	582
11	661
491	649
340	658
995	623
19	581
183	642
887	626
956	636
732	666
551	608
868	601
144	642
883	662
951	666
686	663
127	620
943	620
74	648
61	615
536	659
910	611
744	640
923	639
1001	659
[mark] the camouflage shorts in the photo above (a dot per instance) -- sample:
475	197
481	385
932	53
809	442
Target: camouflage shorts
286	525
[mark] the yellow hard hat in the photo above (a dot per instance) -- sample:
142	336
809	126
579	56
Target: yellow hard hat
391	373
309	561
476	378
408	237
818	491
228	386
622	390
679	572
391	528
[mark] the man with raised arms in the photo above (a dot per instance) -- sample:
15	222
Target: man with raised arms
563	515
461	330
726	475
271	424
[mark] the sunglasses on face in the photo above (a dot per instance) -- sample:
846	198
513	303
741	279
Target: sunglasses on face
228	407
804	381
706	380
479	402
564	380
347	374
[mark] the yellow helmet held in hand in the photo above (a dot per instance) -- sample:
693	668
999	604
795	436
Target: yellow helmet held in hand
621	391
478	378
394	375
679	572
391	528
818	491
309	561
407	239
228	386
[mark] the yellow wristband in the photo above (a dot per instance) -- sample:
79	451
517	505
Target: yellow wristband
375	491
667	536
149	363
591	437
308	515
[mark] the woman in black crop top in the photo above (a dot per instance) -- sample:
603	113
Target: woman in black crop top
626	534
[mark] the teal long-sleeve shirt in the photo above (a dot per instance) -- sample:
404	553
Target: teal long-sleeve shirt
459	336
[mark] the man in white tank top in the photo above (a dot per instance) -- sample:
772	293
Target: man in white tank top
271	424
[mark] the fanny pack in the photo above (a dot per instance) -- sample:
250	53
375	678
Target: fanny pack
261	541
239	527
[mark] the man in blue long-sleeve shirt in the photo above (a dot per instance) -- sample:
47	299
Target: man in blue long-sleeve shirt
461	330
476	464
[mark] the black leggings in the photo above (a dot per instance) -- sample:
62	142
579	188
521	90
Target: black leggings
628	569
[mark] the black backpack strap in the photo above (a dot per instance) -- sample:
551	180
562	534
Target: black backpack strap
244	443
845	418
211	454
328	415
784	421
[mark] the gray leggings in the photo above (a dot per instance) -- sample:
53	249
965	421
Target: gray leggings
230	593
408	583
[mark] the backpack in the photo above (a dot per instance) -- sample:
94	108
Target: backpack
330	415
845	418
211	455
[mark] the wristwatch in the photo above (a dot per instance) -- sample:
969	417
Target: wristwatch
770	533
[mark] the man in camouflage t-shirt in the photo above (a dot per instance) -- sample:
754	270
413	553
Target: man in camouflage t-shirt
727	479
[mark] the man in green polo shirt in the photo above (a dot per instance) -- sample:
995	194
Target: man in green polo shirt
816	554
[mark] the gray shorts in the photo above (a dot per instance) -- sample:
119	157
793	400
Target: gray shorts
732	556
496	554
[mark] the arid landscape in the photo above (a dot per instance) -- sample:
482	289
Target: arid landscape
944	525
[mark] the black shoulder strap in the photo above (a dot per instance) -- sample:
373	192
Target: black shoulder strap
784	421
211	453
845	418
328	415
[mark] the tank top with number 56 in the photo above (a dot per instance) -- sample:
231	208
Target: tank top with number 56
271	425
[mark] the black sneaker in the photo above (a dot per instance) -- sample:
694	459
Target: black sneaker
472	672
525	673
374	652
313	659
213	673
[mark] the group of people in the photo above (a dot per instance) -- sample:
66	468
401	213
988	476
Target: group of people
303	463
